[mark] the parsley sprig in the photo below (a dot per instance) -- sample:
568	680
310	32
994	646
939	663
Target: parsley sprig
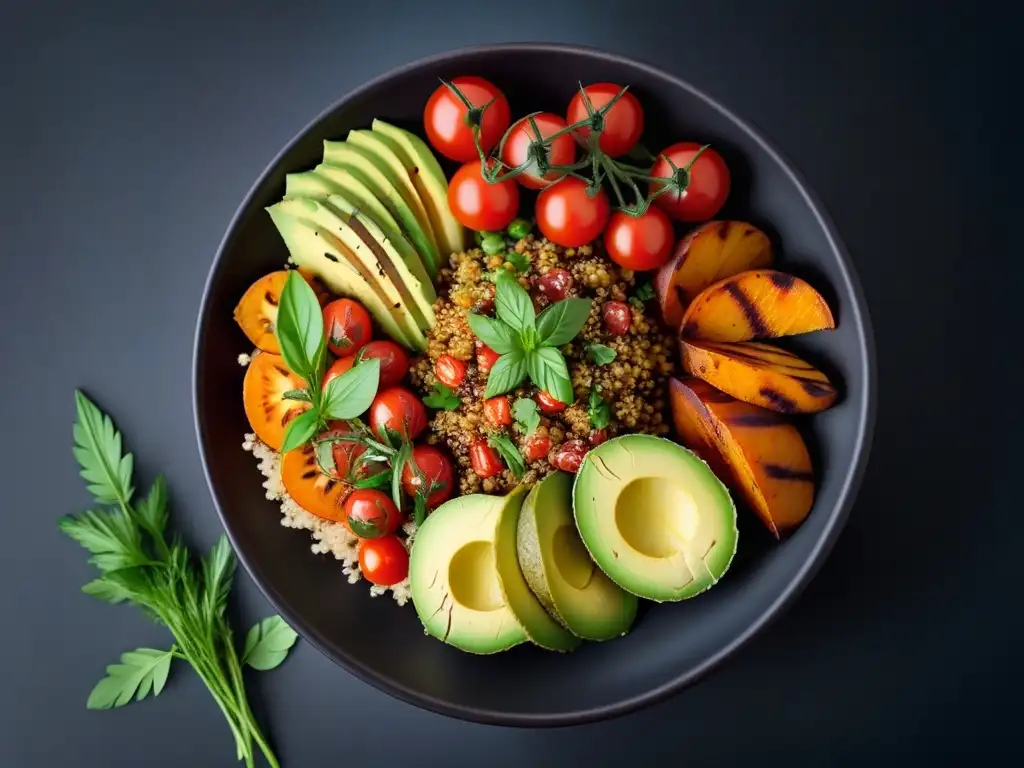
528	343
142	564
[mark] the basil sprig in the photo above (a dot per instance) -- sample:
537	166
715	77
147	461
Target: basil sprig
300	334
528	343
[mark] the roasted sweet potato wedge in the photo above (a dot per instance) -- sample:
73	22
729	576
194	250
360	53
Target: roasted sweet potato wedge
256	311
767	459
710	253
760	374
756	304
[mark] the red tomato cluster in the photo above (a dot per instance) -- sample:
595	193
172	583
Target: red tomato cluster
566	213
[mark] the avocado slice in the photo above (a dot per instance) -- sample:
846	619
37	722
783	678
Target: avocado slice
319	251
429	179
560	572
309	184
380	180
654	517
368	257
454	577
540	628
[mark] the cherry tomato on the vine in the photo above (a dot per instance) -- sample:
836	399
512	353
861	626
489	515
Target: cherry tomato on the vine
446	118
398	410
371	513
450	371
623	123
394	361
708	187
436	475
480	205
347	326
568	216
383	561
484	459
640	242
561	151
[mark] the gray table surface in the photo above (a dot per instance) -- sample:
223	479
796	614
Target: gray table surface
130	133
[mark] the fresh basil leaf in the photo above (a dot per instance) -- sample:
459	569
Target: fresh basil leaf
267	643
300	326
513	303
559	323
526	415
518	260
443	397
548	371
299	431
508	371
351	394
494	333
600	354
141	672
598	411
509	452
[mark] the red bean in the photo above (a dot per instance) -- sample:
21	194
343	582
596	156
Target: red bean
569	456
617	317
555	284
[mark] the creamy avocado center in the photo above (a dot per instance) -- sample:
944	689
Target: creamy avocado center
473	578
655	515
571	558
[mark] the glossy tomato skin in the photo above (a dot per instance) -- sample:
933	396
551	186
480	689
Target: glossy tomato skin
561	151
569	456
398	410
437	471
446	124
371	513
345	452
347	326
384	561
567	216
338	367
484	459
623	123
394	361
498	411
709	182
536	447
617	317
555	284
480	205
640	243
450	371
549	404
485	357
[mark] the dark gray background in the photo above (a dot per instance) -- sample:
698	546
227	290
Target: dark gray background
128	140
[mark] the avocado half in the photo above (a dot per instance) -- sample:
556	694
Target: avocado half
454	579
559	570
654	517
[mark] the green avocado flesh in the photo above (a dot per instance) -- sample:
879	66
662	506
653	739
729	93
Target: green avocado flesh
454	579
654	517
559	571
540	628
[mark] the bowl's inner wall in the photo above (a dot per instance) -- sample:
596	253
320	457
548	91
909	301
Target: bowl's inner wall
668	641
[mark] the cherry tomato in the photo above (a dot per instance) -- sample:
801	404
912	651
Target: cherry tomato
498	411
347	326
536	447
555	284
484	459
569	456
450	371
485	357
394	361
340	366
549	404
617	317
344	452
708	186
371	513
567	216
597	437
561	151
447	121
640	242
480	205
398	410
435	468
383	561
623	123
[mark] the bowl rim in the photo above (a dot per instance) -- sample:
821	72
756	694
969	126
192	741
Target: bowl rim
839	514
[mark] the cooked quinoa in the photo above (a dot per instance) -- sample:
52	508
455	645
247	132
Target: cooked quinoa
633	384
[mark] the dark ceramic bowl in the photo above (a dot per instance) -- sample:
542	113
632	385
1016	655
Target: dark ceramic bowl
672	645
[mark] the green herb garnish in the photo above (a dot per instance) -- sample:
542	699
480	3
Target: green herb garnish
142	564
528	343
644	292
509	452
526	415
518	260
600	354
597	409
519	228
300	334
493	244
443	397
